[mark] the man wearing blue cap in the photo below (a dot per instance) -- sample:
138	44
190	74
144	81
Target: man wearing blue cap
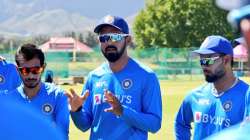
9	77
121	99
218	104
239	18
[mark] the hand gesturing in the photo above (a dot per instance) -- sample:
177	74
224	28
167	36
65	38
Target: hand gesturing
115	104
75	100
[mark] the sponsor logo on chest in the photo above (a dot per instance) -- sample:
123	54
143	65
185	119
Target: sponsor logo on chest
200	117
100	98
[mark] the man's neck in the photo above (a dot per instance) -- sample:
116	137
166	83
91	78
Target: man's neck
225	83
31	92
119	64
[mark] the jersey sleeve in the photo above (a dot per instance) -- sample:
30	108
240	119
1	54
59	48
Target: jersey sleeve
150	117
247	104
14	76
62	114
183	121
83	118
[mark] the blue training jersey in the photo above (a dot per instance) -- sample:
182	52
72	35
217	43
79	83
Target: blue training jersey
247	109
9	77
137	88
50	101
22	122
209	113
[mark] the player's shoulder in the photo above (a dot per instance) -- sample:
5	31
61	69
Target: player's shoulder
242	84
139	66
100	70
51	88
241	88
7	64
203	90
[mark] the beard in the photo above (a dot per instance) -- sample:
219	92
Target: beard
216	76
31	83
114	55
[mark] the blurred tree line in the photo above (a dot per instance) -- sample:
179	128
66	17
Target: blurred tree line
179	23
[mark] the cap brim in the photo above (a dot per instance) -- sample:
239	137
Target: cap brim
203	51
240	40
100	26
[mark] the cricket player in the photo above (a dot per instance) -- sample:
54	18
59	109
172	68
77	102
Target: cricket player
9	77
218	104
239	18
121	98
47	98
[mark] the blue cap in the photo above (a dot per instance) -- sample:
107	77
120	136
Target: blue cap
114	21
215	44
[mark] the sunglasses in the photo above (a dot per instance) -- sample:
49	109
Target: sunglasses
113	37
208	61
34	70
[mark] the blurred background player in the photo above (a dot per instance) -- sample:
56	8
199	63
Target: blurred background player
49	76
9	77
48	99
218	104
22	122
121	99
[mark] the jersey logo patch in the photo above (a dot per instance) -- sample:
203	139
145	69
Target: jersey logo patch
127	83
100	84
197	117
227	106
204	102
1	79
47	108
97	99
109	19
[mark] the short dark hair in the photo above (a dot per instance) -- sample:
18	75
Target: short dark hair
28	52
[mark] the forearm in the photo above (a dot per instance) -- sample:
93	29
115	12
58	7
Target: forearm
144	121
182	132
81	120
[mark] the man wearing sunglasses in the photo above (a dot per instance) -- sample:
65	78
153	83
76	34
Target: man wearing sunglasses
239	18
218	104
9	77
121	99
46	98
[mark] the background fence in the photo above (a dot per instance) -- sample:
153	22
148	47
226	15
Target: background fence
168	63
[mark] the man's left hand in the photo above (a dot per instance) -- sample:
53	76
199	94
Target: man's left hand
115	104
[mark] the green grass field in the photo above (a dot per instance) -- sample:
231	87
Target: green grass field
173	93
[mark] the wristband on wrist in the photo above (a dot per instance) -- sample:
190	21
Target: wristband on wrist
79	109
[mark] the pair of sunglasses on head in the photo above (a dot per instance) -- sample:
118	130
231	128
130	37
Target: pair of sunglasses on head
113	37
208	61
34	70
